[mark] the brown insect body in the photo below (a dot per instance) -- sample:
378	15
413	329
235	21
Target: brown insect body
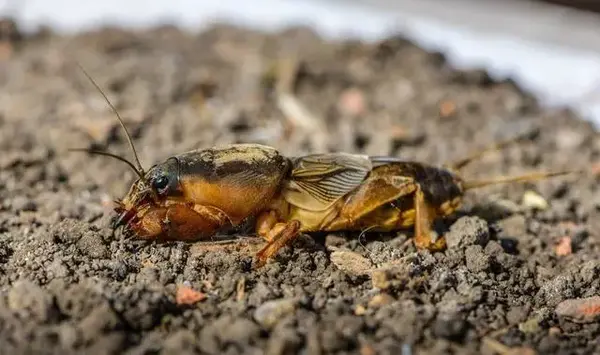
193	195
201	192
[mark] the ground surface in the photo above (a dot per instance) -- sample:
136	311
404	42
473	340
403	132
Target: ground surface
69	285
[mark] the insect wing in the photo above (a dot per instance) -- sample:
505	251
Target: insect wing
318	181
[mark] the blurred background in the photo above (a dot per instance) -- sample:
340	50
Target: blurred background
550	48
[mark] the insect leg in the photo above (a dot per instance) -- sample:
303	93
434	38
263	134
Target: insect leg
184	222
265	224
281	235
150	225
424	217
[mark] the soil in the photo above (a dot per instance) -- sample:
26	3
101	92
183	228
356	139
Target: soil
69	285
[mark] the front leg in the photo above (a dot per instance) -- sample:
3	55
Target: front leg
192	222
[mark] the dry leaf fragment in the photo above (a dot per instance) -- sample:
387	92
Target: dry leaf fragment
188	296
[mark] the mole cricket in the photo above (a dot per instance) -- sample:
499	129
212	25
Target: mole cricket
193	195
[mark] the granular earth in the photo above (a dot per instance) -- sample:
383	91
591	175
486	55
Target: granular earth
69	285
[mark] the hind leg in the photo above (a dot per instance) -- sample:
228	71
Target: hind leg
368	207
424	217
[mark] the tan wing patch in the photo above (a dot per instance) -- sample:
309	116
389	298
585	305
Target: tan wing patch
318	181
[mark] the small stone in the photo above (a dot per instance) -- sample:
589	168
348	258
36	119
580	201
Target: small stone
469	230
351	263
380	300
563	247
360	310
516	315
530	326
380	280
352	102
58	269
271	312
581	310
554	331
533	200
447	108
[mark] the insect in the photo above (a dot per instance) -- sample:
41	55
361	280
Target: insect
193	195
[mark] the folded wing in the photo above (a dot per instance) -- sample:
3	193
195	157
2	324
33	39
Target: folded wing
320	180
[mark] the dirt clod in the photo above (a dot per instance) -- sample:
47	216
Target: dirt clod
350	262
468	231
450	327
30	300
271	312
476	259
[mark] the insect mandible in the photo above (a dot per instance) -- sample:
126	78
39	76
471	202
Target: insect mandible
193	195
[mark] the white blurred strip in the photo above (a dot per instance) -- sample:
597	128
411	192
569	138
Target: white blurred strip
557	73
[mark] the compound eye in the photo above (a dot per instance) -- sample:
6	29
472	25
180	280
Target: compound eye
161	182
